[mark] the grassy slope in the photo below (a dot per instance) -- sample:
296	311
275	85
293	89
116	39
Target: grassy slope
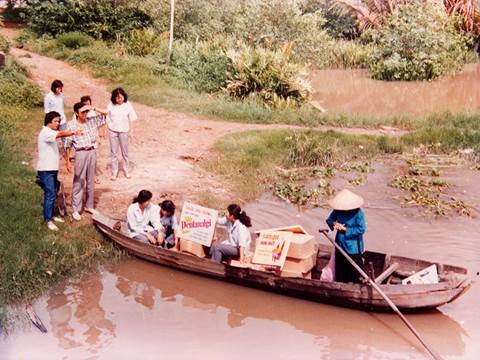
32	257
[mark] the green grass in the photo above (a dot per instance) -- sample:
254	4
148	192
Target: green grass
249	162
32	258
145	81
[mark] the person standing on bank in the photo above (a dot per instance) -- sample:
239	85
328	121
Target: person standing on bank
239	238
120	115
349	221
85	156
47	165
53	101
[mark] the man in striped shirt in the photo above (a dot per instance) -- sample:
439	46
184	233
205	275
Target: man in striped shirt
85	155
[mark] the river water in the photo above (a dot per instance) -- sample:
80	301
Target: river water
140	310
354	92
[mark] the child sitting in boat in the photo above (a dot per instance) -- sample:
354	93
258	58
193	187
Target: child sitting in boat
168	233
239	238
143	220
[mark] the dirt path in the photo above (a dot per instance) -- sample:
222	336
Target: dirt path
166	145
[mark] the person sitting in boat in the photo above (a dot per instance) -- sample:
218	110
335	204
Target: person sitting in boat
349	221
143	220
239	238
168	233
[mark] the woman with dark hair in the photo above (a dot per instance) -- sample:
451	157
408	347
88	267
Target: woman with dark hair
169	224
142	219
53	101
239	238
120	115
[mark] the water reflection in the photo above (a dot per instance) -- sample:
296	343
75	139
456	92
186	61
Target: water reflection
323	322
76	317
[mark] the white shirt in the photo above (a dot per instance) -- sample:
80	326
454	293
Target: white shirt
238	234
48	155
53	102
138	222
119	116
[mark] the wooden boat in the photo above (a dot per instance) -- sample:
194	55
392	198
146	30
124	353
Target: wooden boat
453	280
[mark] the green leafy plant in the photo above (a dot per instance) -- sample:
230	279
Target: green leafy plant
267	74
101	19
74	40
142	42
417	42
4	44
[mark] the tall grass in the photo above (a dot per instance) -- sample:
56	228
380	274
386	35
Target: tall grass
32	257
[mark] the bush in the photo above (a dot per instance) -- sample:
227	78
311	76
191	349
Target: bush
349	54
270	23
23	38
74	40
16	90
143	42
418	42
4	45
268	74
102	19
266	23
339	26
202	66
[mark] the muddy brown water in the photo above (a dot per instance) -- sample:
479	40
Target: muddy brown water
354	92
144	311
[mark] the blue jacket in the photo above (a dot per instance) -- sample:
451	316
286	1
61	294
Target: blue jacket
350	240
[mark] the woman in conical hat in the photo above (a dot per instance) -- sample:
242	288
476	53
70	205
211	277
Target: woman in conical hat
349	221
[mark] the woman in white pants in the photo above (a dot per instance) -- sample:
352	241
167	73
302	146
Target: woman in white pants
120	114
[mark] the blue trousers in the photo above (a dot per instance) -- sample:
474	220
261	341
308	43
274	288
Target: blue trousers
50	184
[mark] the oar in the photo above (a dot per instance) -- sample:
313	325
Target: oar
389	302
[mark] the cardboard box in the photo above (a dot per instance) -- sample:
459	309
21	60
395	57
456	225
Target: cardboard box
302	244
428	275
301	265
192	248
296	229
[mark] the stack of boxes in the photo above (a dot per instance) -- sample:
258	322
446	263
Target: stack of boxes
302	253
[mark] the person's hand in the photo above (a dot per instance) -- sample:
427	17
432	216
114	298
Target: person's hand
162	229
131	137
78	132
150	238
338	226
245	260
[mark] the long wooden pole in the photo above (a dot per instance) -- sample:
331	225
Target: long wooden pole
432	352
170	40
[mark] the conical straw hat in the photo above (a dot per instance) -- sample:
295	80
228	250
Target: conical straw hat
346	200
